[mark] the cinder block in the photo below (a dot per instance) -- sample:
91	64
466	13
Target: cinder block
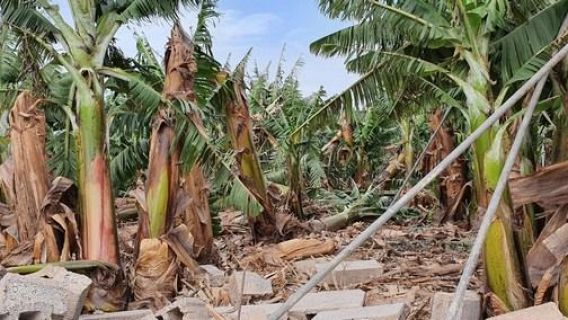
471	309
349	273
214	275
548	311
124	315
30	311
63	291
254	286
184	309
314	303
250	312
398	311
308	266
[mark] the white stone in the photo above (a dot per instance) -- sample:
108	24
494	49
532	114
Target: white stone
471	309
314	303
397	311
184	308
349	273
123	315
251	311
254	286
214	275
547	311
62	291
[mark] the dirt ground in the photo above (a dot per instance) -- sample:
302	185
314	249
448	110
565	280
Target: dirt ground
418	260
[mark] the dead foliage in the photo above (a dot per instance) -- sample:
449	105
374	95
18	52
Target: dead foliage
278	254
547	187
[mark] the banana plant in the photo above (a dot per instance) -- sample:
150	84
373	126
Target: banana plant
84	47
468	54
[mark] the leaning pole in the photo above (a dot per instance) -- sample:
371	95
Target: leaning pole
394	208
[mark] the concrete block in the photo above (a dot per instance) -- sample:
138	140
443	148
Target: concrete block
63	291
124	315
30	311
471	309
254	286
398	311
184	309
548	311
308	266
250	312
317	302
350	273
214	275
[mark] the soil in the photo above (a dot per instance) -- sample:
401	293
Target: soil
418	258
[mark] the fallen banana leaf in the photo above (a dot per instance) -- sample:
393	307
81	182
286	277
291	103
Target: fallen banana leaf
547	187
550	248
7	182
181	242
290	250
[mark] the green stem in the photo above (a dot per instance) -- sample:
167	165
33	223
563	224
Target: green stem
99	234
69	265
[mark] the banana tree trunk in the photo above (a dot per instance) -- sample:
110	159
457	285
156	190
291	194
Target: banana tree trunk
407	136
240	131
181	68
162	183
452	180
501	259
295	180
99	232
99	228
197	215
156	268
342	219
31	181
560	142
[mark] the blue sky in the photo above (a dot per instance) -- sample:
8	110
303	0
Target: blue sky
266	26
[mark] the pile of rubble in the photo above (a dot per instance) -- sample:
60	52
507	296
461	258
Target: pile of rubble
55	293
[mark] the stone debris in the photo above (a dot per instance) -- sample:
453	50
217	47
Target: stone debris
254	286
32	311
398	311
250	312
308	266
184	308
471	309
51	290
548	311
317	302
213	275
124	315
350	273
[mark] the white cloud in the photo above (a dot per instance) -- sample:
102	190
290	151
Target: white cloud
235	27
266	32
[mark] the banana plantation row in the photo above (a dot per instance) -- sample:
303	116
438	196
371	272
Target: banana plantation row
190	137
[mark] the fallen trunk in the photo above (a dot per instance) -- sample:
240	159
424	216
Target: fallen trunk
351	213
